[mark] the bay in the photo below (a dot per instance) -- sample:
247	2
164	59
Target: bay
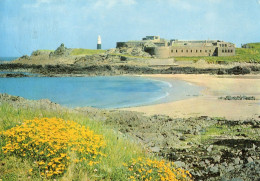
100	91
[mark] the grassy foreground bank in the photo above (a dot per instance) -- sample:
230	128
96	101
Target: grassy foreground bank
124	160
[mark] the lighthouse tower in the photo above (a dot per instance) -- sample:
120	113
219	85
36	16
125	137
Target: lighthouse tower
99	42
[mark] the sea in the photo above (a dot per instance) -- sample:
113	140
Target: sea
99	91
4	59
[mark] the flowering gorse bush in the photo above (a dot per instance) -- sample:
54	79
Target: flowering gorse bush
50	142
147	169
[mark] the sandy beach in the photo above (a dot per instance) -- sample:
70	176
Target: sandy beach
208	104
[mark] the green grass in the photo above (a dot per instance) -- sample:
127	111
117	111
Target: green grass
227	131
81	51
242	55
254	45
119	149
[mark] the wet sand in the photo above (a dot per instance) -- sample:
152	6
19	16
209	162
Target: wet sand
208	104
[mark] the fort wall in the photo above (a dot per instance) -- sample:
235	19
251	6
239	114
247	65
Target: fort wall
226	51
187	51
162	48
162	52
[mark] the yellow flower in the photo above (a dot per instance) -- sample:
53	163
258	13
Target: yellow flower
41	163
54	138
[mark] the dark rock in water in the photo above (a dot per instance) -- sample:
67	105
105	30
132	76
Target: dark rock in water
10	75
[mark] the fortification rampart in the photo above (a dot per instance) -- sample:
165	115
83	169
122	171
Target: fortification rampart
174	48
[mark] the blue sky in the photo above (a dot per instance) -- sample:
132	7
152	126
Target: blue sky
27	25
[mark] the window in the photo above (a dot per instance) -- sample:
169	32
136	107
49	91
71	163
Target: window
225	51
222	51
181	50
172	51
225	45
209	50
187	51
231	51
206	51
191	51
228	51
176	51
196	51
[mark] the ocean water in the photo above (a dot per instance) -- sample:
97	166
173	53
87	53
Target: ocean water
100	92
7	58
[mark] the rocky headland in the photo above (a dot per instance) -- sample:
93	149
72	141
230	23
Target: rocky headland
126	60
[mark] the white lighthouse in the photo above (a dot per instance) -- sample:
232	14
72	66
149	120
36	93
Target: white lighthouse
99	42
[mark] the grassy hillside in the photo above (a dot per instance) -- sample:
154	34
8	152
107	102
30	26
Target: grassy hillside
81	51
242	55
121	158
254	45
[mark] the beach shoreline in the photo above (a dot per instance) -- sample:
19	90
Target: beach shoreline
208	103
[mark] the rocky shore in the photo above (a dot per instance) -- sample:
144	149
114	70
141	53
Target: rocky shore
210	148
119	61
93	70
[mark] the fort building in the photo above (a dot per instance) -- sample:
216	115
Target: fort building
163	48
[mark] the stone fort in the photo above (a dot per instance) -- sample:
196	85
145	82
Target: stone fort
162	48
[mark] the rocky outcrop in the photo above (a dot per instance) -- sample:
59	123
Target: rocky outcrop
36	53
237	70
10	75
25	57
132	51
61	51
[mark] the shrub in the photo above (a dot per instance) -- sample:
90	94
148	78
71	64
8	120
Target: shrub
147	169
52	144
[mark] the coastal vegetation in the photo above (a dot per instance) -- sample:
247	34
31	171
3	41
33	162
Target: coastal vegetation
50	146
130	145
81	51
254	45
